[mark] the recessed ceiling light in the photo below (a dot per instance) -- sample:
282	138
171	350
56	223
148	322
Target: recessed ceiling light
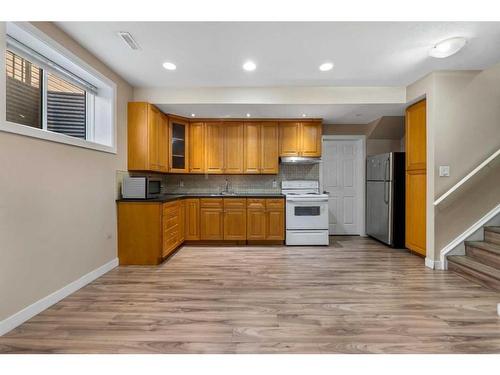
169	66
249	66
248	114
326	66
447	47
193	115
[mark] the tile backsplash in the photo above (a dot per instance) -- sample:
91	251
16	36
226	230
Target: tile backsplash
210	183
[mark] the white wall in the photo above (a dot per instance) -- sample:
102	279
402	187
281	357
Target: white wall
57	202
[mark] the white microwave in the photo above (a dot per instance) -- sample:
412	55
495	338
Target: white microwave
141	188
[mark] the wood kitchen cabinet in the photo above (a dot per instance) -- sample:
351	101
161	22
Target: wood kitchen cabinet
265	219
275	216
252	148
179	140
197	147
211	219
192	219
289	138
300	138
214	147
149	231
147	143
269	148
233	147
261	148
235	219
310	134
256	219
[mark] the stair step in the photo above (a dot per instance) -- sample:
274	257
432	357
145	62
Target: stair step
492	234
485	252
475	271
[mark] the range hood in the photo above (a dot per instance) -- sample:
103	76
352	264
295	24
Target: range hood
299	160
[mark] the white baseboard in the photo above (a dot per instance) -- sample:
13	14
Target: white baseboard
470	231
433	264
20	317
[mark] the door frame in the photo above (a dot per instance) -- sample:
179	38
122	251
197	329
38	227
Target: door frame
361	139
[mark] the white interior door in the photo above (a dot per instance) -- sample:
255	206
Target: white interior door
343	180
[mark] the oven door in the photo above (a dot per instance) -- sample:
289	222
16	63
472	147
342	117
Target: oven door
306	213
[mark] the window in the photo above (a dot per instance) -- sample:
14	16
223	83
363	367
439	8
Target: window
24	91
41	99
54	95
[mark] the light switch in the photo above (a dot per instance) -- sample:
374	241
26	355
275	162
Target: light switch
444	171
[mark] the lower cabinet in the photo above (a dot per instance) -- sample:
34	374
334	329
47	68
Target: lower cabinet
235	219
150	231
192	219
211	219
173	226
265	220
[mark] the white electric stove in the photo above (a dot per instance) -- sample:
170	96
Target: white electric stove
306	213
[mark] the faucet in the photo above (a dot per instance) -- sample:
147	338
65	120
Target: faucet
226	187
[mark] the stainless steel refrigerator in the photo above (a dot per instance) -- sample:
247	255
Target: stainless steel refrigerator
385	198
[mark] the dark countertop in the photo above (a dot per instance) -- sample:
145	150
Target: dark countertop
173	197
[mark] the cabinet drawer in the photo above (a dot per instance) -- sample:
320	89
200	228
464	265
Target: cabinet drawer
254	203
171	209
275	203
211	203
232	203
170	222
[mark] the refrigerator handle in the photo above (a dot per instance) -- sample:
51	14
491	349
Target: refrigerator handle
386	182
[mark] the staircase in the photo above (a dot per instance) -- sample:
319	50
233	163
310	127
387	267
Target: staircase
481	262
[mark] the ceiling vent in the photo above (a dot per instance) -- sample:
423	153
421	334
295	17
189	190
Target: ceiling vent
127	38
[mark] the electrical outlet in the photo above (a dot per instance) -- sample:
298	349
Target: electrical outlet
181	183
275	184
444	171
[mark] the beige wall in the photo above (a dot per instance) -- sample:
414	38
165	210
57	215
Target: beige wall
463	129
382	146
57	209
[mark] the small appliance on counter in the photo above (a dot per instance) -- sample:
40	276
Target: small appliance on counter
141	188
306	213
385	198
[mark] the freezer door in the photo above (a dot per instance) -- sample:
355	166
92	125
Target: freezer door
379	210
379	167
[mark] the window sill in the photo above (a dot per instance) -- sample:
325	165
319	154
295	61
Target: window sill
28	131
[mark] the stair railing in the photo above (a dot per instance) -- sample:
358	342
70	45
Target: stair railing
460	183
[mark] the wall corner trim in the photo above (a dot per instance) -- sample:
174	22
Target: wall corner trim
30	311
433	264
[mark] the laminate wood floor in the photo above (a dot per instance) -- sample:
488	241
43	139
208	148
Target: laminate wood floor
355	296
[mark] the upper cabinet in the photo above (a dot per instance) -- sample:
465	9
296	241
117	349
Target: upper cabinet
289	139
300	139
214	147
252	148
147	138
167	143
179	134
233	147
269	145
310	133
196	147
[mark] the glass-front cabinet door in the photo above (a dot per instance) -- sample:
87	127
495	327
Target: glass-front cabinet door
178	145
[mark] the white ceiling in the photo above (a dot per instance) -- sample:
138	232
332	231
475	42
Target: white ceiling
331	114
210	54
